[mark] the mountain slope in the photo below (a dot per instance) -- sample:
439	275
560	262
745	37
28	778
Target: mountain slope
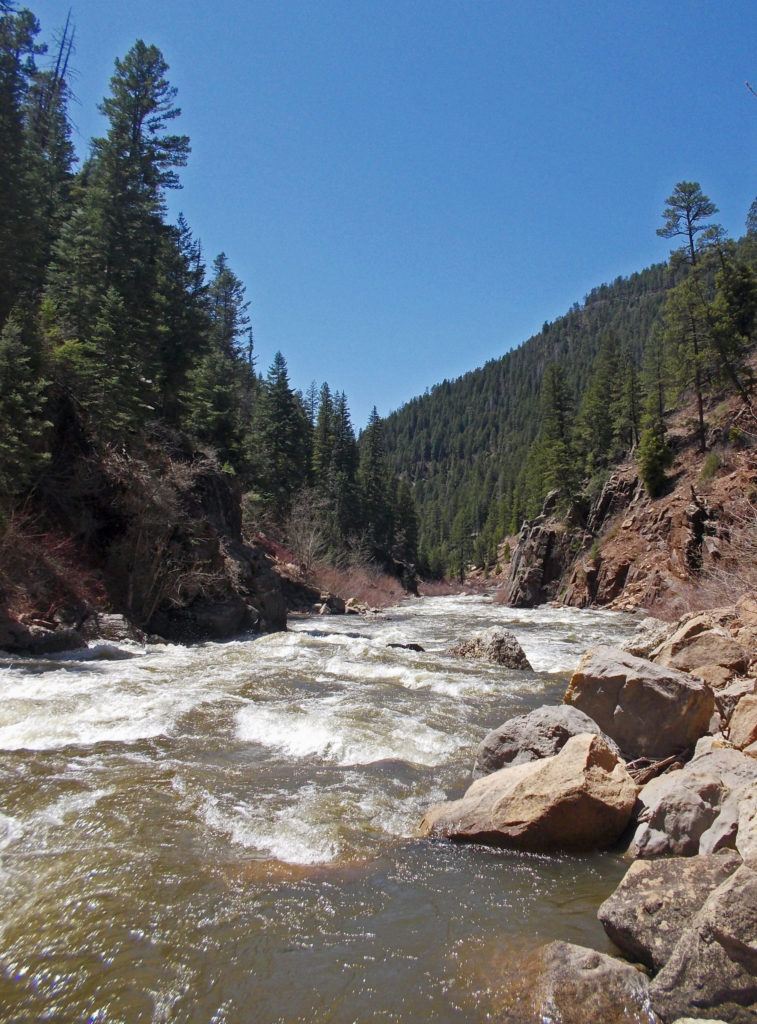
464	445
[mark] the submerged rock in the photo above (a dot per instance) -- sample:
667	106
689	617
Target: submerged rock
574	985
580	799
497	645
540	733
656	900
649	711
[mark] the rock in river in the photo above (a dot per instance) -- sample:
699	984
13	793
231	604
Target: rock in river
496	645
713	968
648	710
580	799
574	985
648	912
541	733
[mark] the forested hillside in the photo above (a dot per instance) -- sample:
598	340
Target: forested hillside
121	346
482	451
126	355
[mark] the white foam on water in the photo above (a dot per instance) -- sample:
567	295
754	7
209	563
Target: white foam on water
296	833
335	729
10	830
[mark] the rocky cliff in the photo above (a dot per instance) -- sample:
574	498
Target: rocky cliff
686	548
156	539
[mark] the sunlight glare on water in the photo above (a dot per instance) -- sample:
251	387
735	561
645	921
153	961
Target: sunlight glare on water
224	832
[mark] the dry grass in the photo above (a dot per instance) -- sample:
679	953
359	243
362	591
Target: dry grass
42	570
365	584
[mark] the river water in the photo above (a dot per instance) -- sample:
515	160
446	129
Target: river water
224	833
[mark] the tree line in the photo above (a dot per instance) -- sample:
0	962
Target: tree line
110	316
483	451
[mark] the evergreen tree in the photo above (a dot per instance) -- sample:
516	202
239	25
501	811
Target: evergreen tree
184	320
654	457
628	415
596	432
116	236
374	483
229	319
554	465
686	210
405	524
283	430
20	227
323	436
22	394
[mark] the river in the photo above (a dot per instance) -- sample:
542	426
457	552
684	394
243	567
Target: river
224	833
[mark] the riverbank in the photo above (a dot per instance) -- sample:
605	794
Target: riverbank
659	755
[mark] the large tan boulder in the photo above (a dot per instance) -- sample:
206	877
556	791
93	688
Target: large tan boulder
713	968
743	726
710	653
649	711
580	799
746	836
656	900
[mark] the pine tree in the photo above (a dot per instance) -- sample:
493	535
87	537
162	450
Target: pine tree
116	237
283	429
22	403
323	436
374	484
184	330
228	308
595	432
554	465
685	312
20	222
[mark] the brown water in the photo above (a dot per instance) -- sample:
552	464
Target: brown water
224	833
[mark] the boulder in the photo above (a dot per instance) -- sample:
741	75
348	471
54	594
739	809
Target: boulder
676	809
743	725
573	985
746	836
727	698
649	711
713	968
497	645
580	799
540	733
697	649
648	635
694	810
648	912
37	640
721	835
115	629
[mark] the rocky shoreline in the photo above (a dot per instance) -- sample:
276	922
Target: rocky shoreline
654	751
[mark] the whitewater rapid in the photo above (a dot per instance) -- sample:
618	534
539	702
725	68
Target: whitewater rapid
161	806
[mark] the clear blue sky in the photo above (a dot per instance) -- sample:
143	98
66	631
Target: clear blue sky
410	188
